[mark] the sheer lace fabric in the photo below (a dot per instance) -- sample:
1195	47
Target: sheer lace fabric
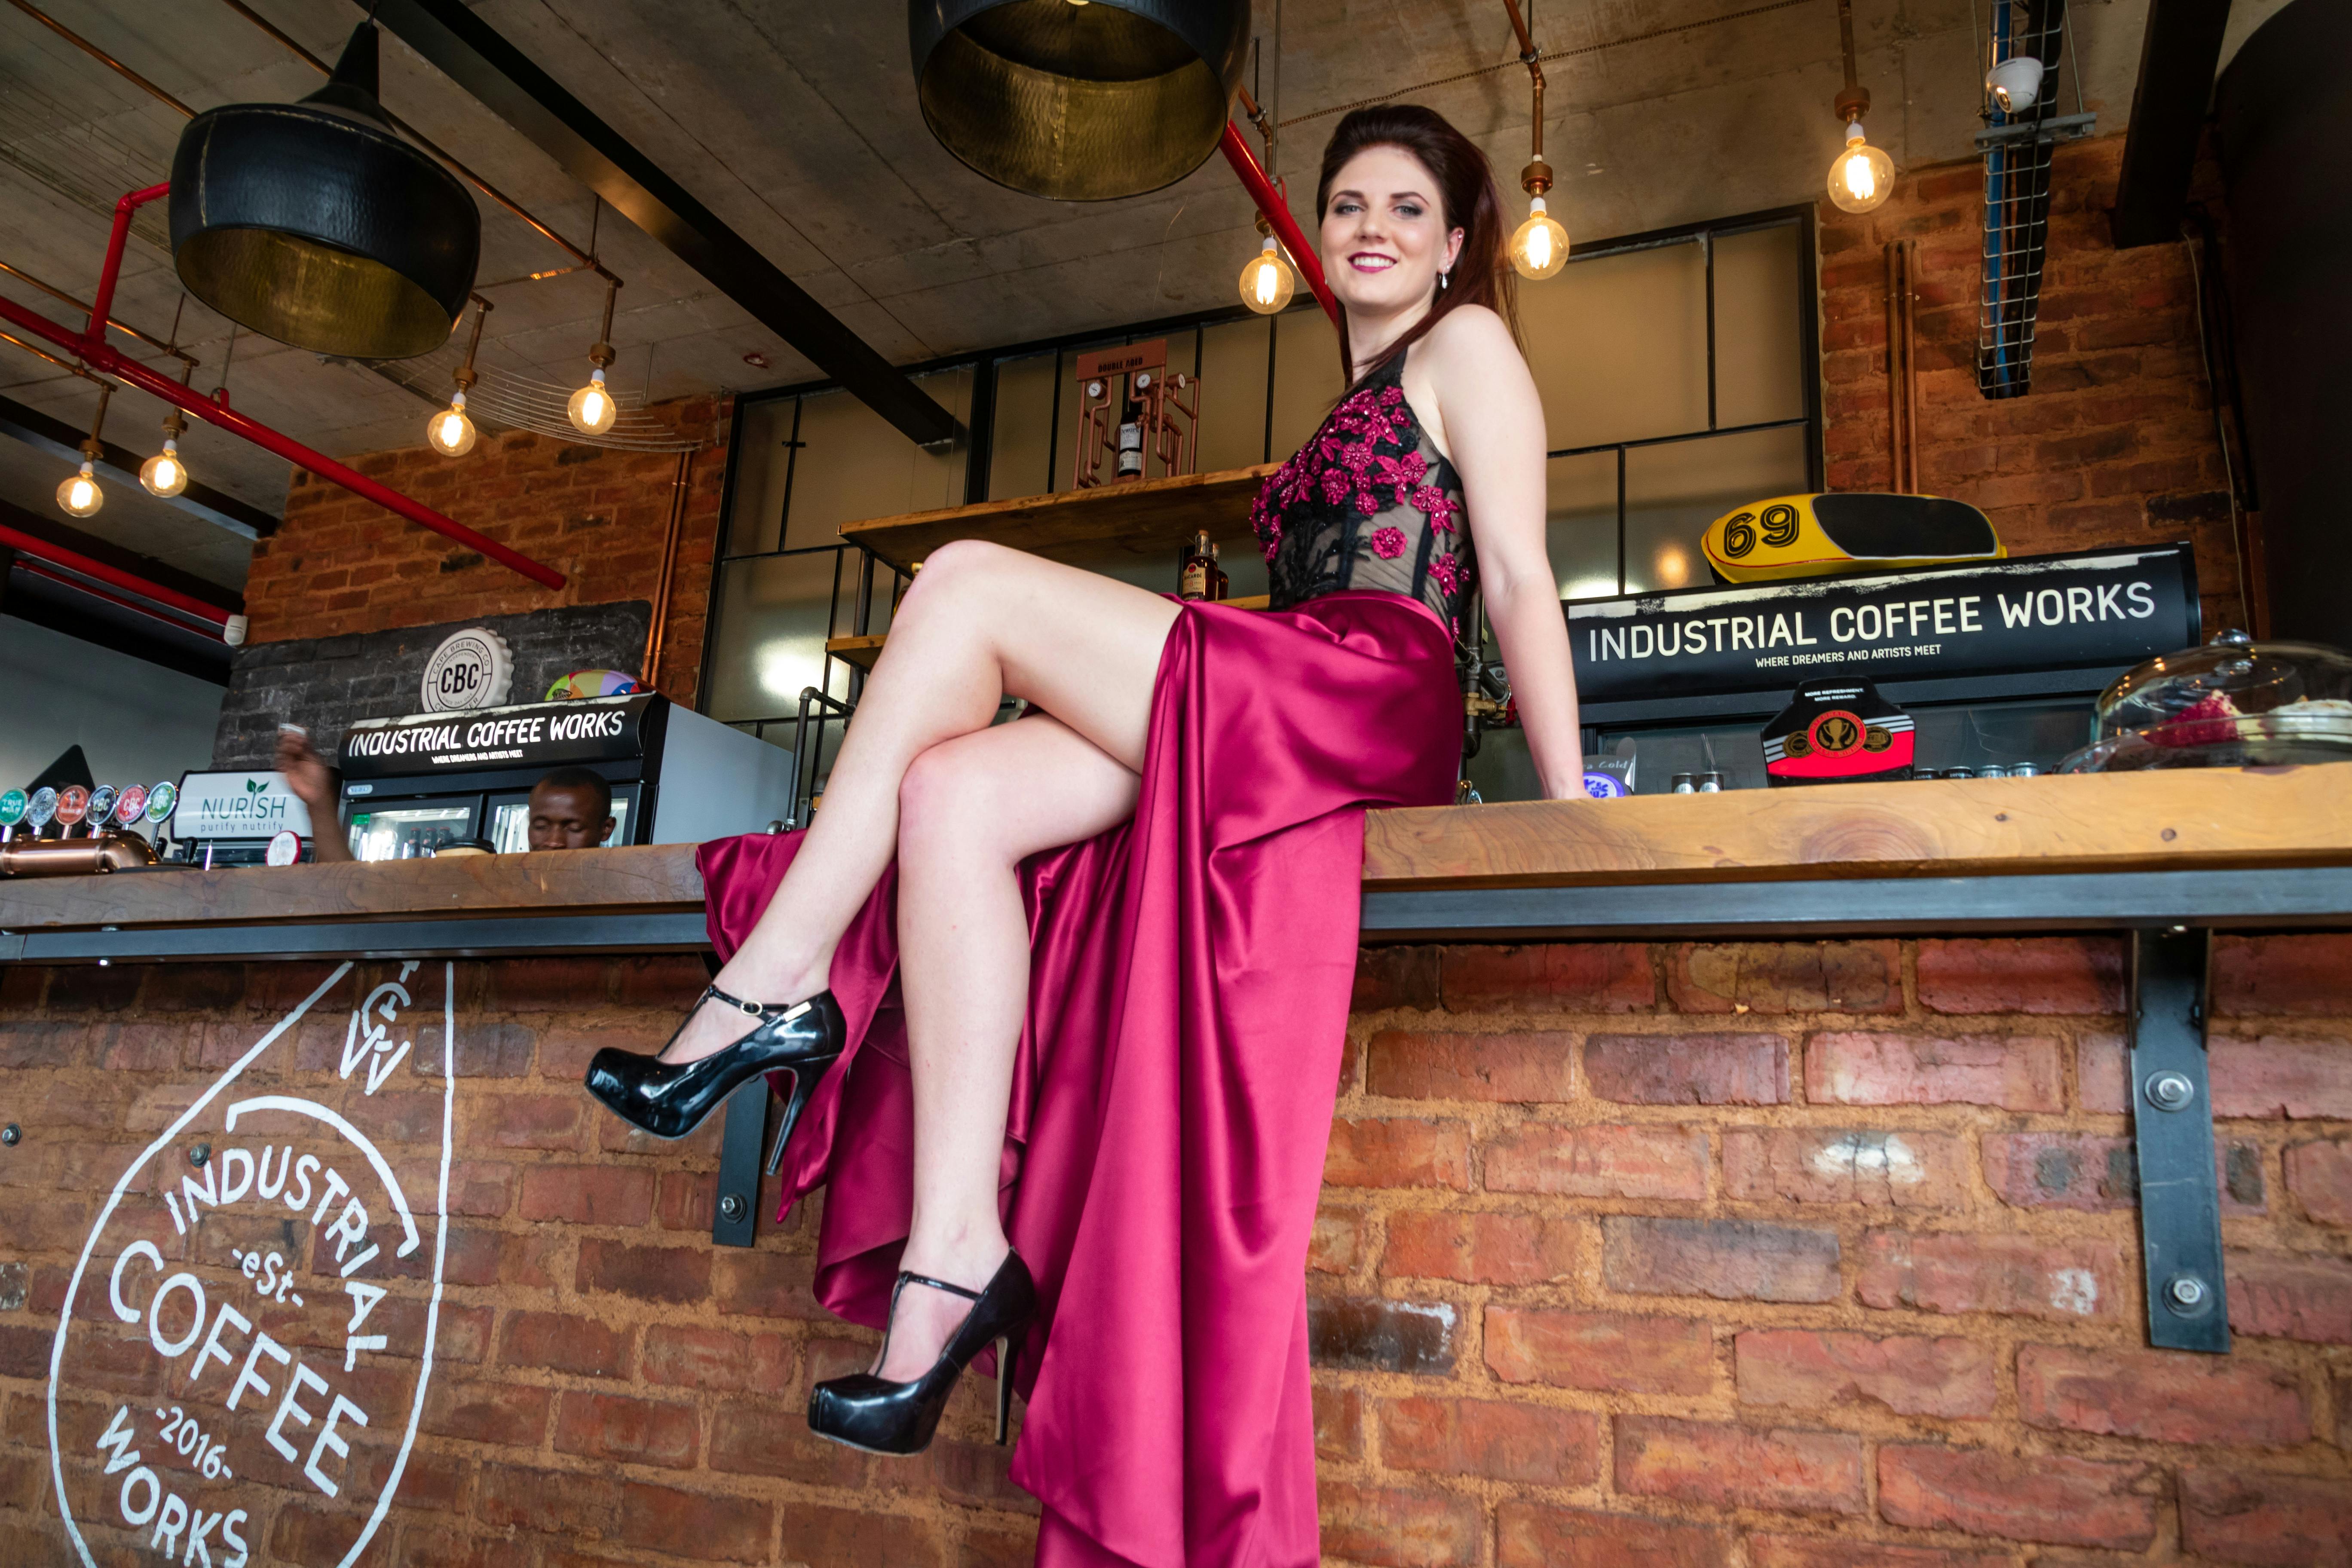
1369	502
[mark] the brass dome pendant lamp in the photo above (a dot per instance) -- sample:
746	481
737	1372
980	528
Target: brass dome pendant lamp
1080	101
314	224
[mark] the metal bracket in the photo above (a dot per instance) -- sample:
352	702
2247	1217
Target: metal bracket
2057	128
734	1218
2172	1139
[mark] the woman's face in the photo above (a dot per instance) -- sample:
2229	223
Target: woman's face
1384	238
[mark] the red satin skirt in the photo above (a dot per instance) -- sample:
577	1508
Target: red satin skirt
1172	1096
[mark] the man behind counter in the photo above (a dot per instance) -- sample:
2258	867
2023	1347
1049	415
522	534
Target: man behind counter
570	808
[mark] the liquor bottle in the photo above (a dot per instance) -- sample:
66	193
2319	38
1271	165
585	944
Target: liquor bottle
1220	587
1197	575
1130	441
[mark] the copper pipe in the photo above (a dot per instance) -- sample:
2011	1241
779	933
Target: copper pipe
1911	361
471	178
100	56
41	352
1528	53
1893	370
54	292
678	506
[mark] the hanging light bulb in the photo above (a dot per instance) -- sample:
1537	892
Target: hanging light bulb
450	433
592	408
80	495
1540	246
1863	177
1267	280
164	474
1539	249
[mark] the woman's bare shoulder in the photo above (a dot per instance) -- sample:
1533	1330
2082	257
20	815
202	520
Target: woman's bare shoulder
1469	331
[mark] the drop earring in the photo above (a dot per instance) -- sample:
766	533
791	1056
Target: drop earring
1443	280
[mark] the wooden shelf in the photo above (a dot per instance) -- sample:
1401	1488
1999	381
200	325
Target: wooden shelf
863	651
1147	516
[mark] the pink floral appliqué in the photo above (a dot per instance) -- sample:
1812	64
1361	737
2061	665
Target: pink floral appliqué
1448	573
1388	543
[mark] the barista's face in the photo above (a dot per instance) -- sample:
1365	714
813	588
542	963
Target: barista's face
566	818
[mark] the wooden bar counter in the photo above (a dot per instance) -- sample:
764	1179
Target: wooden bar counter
2225	847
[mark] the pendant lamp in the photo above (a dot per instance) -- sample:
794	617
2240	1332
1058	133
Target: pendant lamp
314	224
1078	99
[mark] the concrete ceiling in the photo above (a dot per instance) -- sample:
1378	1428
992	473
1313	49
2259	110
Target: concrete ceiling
796	122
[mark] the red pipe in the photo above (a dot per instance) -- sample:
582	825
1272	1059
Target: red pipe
102	357
73	561
33	570
1277	213
114	267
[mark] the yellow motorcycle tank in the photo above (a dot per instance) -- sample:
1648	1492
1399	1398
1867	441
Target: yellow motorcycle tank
1814	536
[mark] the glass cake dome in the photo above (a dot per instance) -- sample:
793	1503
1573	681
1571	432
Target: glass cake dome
2235	702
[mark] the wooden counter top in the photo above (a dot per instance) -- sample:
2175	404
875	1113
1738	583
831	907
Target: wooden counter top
2202	820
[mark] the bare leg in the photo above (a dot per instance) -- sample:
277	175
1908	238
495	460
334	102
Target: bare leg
970	811
980	623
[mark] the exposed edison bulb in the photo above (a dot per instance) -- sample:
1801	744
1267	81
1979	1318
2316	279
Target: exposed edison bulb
80	495
1539	249
163	474
1267	281
449	431
592	408
1863	177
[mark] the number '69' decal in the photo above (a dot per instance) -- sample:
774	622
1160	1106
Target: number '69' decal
1739	535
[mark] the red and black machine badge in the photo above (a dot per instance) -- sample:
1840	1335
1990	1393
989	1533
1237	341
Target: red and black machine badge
1837	729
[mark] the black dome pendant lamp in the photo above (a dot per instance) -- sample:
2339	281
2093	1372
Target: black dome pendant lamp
314	224
1078	99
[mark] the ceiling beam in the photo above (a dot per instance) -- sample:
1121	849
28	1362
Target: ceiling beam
120	464
2177	56
471	53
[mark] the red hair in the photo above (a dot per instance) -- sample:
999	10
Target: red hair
1465	186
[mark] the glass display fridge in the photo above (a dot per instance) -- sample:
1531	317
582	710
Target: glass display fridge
1993	667
416	784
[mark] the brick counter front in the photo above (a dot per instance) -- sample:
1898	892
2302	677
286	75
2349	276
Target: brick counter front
1782	1255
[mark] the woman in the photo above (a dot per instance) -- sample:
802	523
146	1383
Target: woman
1125	926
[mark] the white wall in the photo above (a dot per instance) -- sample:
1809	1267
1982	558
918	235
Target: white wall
136	723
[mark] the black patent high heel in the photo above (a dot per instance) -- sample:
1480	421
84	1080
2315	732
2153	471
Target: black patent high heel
884	1417
670	1100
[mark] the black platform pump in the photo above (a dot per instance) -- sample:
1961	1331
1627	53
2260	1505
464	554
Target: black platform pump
669	1099
884	1417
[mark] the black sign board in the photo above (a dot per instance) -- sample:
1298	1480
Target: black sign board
526	735
2098	611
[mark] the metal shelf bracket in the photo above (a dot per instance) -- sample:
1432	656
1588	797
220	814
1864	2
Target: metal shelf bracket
2172	1141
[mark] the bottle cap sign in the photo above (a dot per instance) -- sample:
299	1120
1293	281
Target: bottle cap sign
43	808
471	668
12	807
73	804
102	804
133	802
160	800
285	847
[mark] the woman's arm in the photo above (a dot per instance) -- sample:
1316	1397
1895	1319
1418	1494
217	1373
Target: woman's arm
1492	425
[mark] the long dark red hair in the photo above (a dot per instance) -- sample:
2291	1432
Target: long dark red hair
1482	274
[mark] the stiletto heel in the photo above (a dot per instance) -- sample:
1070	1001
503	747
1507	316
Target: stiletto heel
880	1417
804	1082
1007	1363
671	1099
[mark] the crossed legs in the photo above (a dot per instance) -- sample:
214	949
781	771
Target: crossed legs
922	775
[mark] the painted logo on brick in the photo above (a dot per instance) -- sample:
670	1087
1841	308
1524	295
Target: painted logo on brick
242	1359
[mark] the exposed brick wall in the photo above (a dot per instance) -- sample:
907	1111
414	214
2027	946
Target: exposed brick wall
2115	445
342	564
1770	1256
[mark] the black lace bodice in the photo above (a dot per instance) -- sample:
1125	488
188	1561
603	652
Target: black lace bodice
1369	502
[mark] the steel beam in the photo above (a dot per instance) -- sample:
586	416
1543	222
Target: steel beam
474	54
121	465
2179	54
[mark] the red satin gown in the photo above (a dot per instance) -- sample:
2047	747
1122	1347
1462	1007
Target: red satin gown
1187	1004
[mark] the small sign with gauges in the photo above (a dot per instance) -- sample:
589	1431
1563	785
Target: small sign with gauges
1133	410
